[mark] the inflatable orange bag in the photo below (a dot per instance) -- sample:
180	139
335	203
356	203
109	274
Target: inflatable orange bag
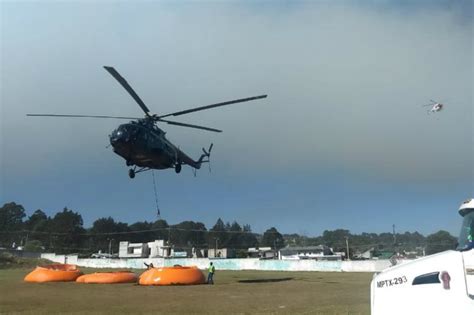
53	273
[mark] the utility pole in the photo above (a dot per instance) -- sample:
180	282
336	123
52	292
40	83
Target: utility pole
394	236
347	246
110	245
275	254
215	250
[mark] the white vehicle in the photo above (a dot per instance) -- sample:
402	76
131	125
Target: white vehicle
442	283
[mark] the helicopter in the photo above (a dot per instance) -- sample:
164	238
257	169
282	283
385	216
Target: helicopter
435	107
143	145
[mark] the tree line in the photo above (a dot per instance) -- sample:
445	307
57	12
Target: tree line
65	233
399	242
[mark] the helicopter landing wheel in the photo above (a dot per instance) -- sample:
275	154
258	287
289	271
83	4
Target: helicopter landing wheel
131	173
177	168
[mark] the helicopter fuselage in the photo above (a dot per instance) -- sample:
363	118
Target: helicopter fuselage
144	145
436	107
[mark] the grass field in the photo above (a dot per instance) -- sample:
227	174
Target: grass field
235	292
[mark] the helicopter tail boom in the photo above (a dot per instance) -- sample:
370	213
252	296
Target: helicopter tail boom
204	158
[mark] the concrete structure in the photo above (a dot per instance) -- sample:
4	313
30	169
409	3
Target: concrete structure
374	253
155	249
262	252
365	255
320	252
133	250
181	253
220	253
158	248
198	253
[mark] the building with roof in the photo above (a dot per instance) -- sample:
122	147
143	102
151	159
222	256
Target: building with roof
320	252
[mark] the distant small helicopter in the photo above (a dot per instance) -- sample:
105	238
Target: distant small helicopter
435	107
143	145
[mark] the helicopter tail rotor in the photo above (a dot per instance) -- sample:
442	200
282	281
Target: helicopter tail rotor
206	154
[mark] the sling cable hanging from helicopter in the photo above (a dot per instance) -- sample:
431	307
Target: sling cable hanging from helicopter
156	196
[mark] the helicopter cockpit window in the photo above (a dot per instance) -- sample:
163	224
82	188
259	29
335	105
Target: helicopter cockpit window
122	129
119	132
466	237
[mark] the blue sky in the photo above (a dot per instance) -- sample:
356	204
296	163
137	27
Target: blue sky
341	142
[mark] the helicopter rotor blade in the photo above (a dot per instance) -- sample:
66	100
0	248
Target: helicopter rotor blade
188	125
80	116
187	111
127	87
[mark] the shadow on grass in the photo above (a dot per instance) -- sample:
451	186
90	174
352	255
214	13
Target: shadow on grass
265	280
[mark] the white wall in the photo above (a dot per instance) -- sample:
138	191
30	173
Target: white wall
227	264
364	265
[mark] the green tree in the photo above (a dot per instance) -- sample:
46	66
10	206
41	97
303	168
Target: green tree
386	240
11	222
337	240
248	238
34	246
67	232
189	234
410	241
144	233
38	226
217	235
439	241
36	220
235	236
162	230
273	238
106	234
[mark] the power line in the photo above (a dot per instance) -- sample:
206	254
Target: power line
133	232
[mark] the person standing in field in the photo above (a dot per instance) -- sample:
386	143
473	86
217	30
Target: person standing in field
210	275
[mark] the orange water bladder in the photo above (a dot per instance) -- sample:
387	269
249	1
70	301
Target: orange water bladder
172	276
52	273
109	277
